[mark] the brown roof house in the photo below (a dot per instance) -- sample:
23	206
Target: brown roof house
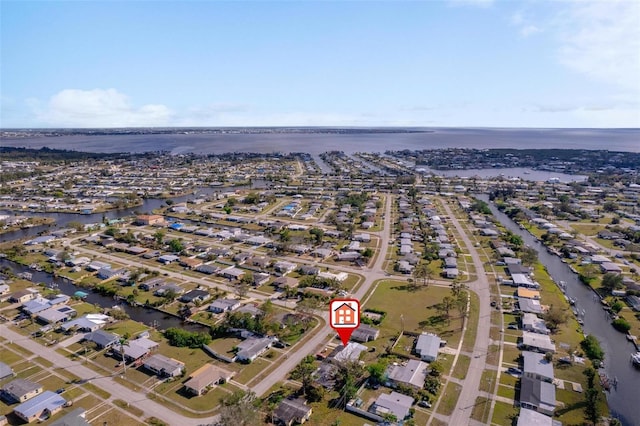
206	377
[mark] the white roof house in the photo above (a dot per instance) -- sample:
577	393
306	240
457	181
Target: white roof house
427	346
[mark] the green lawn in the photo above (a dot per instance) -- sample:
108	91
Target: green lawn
460	370
503	414
413	309
481	409
449	398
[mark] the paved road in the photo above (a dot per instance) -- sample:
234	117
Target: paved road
117	391
470	389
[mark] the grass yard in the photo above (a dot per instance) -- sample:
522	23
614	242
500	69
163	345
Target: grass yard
481	409
449	398
460	370
413	309
503	414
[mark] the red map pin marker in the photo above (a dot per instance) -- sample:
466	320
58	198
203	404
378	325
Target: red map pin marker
344	317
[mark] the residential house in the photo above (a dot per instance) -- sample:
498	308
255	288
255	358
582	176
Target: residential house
610	268
190	263
41	406
151	284
527	293
168	259
365	333
260	278
206	377
395	404
537	342
195	296
135	349
164	366
282	283
412	373
529	305
232	273
427	346
349	256
208	269
351	352
252	347
292	411
20	390
531	322
5	371
537	395
528	417
23	296
284	267
536	366
224	305
151	219
56	314
102	339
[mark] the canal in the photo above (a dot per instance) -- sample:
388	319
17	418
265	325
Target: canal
150	317
624	400
148	205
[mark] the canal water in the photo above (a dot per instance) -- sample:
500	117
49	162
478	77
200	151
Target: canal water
148	205
150	317
624	400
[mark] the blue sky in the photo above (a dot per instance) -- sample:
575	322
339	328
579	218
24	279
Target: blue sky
358	63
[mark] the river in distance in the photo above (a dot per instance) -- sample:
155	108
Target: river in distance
627	140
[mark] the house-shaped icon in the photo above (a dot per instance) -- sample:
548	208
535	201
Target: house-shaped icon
345	314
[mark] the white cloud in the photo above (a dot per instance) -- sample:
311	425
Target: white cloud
528	30
98	108
601	39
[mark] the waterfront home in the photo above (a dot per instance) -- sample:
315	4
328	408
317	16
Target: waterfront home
151	219
537	395
531	322
224	305
610	268
206	377
537	342
195	296
23	296
536	366
528	417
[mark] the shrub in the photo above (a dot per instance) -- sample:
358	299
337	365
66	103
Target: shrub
621	325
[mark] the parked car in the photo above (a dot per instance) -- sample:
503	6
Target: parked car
514	371
513	326
424	403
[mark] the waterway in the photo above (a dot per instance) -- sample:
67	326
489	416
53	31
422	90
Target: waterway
150	317
624	400
148	205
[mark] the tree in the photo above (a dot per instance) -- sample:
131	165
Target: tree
241	288
457	288
589	272
612	281
158	236
461	304
239	409
529	256
554	317
621	325
445	307
176	245
422	272
317	234
376	370
348	376
303	372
